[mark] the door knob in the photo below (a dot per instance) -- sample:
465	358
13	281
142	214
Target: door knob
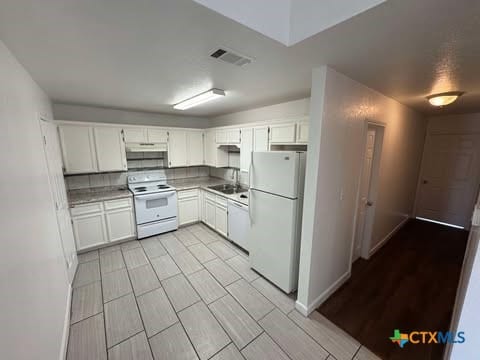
369	203
425	181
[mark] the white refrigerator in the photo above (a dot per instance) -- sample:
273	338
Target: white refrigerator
275	209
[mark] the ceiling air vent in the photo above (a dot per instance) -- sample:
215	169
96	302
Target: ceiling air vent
231	57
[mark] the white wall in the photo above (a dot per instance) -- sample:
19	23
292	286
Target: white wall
290	109
463	123
33	278
116	116
468	298
339	108
269	17
309	17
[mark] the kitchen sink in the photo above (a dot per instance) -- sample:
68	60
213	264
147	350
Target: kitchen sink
228	189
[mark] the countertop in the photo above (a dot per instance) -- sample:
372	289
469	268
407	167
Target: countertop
83	196
203	183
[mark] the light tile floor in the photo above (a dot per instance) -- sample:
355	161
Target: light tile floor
190	294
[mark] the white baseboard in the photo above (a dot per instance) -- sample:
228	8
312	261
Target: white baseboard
387	237
306	310
66	325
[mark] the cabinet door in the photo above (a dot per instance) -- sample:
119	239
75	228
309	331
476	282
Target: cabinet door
282	134
260	138
120	224
78	149
233	136
89	230
135	135
210	148
157	135
214	156
177	148
110	149
246	147
221	220
201	205
302	132
195	148
210	209
187	211
222	137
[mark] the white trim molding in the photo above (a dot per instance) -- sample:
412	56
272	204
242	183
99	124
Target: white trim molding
66	325
387	237
305	310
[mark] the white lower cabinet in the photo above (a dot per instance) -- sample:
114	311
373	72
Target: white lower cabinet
120	224
89	230
188	206
221	219
216	213
103	222
210	209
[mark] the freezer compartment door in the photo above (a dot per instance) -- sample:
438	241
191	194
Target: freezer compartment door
273	243
275	172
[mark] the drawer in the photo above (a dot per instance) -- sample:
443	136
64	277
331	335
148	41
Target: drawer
210	196
89	208
221	201
183	194
118	204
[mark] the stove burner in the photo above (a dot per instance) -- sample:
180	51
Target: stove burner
163	186
140	189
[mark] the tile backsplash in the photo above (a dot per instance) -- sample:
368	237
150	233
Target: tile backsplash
228	174
74	182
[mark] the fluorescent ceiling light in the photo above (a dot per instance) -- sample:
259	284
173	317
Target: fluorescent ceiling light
209	95
445	98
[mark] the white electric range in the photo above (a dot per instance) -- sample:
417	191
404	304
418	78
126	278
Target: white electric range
155	202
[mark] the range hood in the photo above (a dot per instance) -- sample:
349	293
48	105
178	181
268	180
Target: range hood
146	147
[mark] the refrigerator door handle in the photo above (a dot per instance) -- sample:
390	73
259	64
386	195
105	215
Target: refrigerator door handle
250	167
250	170
250	205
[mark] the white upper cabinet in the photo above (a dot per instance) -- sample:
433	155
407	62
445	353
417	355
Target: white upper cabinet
246	148
78	149
157	135
228	136
214	156
283	133
195	148
302	132
145	135
221	137
260	138
233	136
110	149
177	148
135	135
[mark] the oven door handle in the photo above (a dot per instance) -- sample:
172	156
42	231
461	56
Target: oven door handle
155	196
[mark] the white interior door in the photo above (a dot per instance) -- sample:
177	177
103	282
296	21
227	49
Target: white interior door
449	178
365	202
59	194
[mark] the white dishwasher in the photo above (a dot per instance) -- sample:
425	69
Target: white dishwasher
238	224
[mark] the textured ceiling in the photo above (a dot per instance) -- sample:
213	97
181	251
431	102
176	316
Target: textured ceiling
148	55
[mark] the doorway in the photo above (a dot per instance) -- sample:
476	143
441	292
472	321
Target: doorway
59	194
449	179
367	193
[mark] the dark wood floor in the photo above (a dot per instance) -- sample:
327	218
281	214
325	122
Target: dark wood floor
409	284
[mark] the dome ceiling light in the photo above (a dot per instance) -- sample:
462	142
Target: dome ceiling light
444	98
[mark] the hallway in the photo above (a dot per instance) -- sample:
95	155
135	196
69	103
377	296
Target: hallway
410	284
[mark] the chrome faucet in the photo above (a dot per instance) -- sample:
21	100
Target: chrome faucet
235	176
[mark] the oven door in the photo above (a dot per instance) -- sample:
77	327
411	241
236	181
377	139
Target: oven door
154	207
